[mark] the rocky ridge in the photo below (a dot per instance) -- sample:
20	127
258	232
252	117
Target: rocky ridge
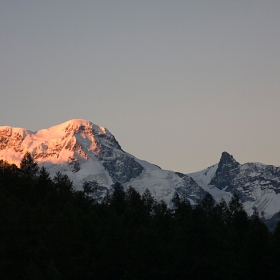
257	185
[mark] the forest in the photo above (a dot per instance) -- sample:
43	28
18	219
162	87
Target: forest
48	230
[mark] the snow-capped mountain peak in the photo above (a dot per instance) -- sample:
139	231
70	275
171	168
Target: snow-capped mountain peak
257	185
90	153
78	126
57	144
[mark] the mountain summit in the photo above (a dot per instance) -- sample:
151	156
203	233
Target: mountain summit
256	184
227	159
227	169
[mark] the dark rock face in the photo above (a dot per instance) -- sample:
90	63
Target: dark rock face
246	180
190	189
254	176
228	168
119	165
8	141
74	163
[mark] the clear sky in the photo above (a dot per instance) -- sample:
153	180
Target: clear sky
176	82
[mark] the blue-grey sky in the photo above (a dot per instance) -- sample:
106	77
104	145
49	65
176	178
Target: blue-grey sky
176	82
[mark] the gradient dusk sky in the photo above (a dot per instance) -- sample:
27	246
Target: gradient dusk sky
176	82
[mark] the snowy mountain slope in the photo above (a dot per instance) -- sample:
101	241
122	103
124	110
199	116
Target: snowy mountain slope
203	179
90	153
153	178
258	185
164	183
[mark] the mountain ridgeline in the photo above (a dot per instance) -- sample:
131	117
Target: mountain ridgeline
88	153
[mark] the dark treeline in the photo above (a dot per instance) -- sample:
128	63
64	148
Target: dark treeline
50	231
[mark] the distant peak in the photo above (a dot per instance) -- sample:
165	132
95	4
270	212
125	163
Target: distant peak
227	169
226	158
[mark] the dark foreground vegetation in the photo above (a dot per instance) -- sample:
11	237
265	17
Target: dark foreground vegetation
49	231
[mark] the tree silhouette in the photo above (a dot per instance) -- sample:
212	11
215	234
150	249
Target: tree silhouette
29	168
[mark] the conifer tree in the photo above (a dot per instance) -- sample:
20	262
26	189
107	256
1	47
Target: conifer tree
118	198
182	205
223	211
44	183
44	176
63	184
235	204
28	166
208	204
149	201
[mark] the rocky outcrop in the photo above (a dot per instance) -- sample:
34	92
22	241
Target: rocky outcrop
256	184
228	168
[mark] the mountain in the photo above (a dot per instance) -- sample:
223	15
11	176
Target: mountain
256	184
90	153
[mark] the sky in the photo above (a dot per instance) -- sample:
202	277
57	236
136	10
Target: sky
176	82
